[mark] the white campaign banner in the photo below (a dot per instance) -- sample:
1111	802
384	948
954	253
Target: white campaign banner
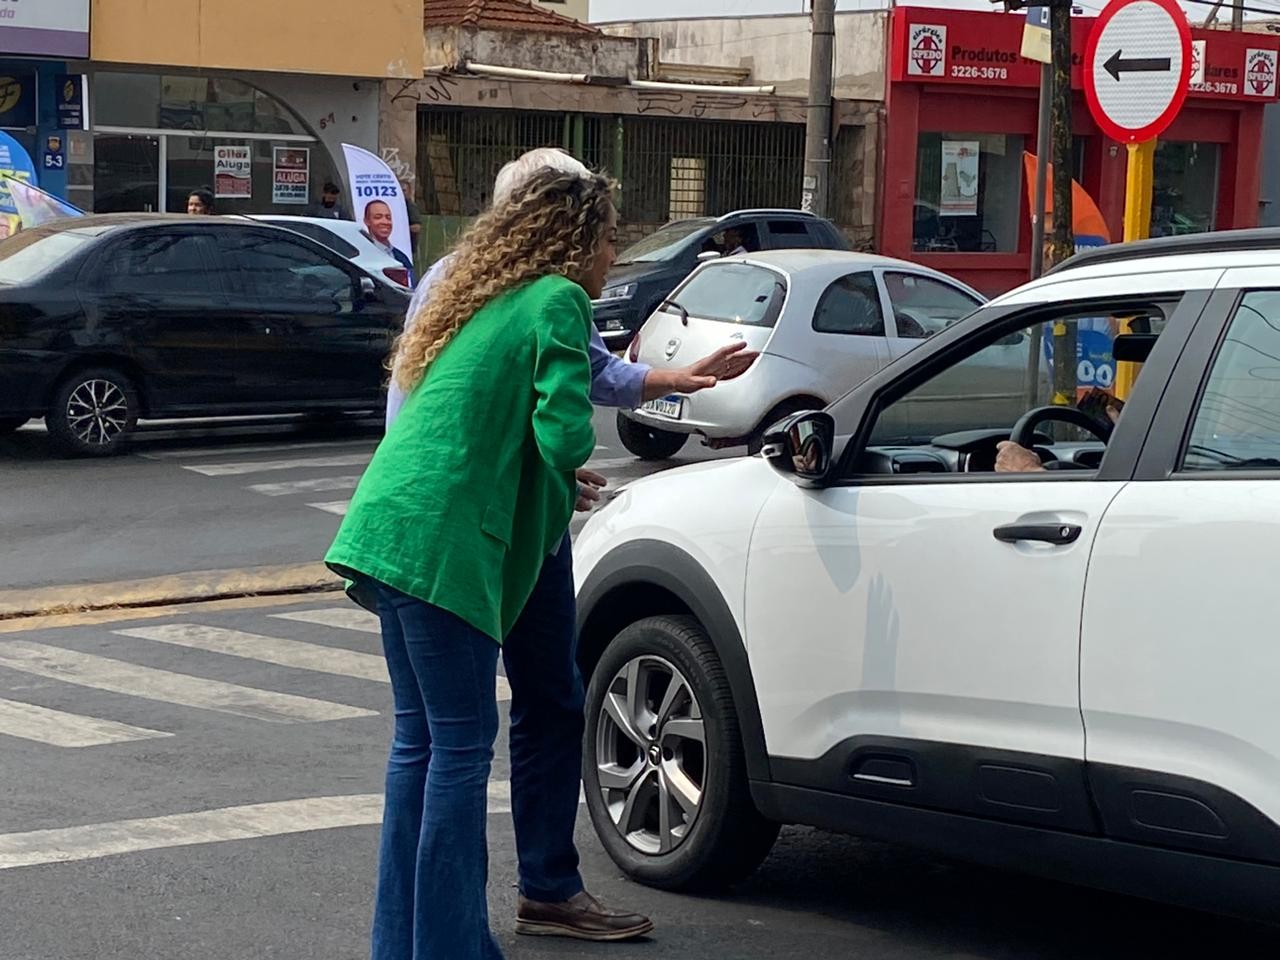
378	202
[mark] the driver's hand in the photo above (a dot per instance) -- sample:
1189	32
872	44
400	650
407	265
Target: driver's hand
1014	458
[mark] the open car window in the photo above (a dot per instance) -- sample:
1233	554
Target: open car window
951	415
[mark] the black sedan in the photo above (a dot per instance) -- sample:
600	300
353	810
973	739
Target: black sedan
110	318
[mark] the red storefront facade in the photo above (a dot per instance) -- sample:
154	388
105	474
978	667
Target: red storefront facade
962	109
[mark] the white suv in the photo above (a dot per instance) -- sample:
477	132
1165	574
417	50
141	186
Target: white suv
1070	671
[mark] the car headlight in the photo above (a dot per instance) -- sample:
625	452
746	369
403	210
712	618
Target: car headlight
623	291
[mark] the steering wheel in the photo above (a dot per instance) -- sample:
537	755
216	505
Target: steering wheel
1024	431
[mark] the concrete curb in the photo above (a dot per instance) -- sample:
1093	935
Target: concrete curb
176	588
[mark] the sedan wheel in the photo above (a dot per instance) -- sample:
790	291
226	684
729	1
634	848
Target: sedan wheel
92	413
651	754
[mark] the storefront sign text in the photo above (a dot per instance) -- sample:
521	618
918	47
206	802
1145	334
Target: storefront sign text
945	46
45	28
233	171
70	95
291	175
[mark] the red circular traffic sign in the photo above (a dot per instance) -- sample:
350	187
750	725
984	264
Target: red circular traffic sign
1137	68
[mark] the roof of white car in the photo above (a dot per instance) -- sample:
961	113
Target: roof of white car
800	261
1196	260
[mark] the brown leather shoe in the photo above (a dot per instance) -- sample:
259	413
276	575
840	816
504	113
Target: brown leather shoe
583	918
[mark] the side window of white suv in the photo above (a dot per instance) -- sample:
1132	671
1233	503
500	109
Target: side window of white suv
1237	421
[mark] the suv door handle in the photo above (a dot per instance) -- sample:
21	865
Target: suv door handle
1058	534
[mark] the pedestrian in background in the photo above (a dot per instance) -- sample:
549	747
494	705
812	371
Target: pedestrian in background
200	203
540	654
467	494
330	206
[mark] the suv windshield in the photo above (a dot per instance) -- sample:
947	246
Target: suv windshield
661	245
28	255
732	292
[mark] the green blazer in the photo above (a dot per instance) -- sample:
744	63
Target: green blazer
473	485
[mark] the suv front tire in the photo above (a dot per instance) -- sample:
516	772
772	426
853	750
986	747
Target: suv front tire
663	764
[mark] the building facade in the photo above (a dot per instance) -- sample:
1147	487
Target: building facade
963	105
247	99
40	43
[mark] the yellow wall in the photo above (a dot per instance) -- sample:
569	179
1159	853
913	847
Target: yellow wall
299	36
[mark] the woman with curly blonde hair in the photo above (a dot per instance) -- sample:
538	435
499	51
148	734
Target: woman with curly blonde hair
472	487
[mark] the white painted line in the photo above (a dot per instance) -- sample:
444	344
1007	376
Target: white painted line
276	448
116	676
279	651
89	842
250	822
238	468
320	485
614	463
338	507
343	618
30	722
255	646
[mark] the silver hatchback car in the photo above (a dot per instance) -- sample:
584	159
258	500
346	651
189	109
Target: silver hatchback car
823	321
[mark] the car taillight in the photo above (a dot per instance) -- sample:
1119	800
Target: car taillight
397	275
633	351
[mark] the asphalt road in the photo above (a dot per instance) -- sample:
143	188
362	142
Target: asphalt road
208	496
187	819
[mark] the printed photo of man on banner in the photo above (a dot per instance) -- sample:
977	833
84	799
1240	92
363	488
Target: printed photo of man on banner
379	204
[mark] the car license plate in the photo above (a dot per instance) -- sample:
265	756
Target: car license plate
670	407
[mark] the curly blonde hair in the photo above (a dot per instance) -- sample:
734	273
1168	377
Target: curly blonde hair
552	224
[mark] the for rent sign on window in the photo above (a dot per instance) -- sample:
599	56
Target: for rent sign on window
232	170
45	28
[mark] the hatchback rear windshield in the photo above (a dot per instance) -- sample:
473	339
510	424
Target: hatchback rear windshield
29	255
663	244
734	293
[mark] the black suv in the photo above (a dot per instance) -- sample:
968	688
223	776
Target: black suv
646	273
110	318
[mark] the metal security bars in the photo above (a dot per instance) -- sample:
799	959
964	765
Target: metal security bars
668	167
680	168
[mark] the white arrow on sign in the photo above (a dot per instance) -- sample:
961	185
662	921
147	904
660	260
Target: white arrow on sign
1137	68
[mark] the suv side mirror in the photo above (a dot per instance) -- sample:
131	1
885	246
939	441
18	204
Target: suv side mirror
368	289
802	447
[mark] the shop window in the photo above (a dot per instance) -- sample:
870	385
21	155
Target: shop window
178	102
126	100
1185	193
968	193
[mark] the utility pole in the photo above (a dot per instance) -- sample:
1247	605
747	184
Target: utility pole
1062	244
1237	15
816	195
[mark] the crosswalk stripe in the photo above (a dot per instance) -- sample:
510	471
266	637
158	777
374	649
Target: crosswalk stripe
276	650
236	468
279	651
338	507
343	618
248	822
318	485
27	721
92	841
612	463
116	676
276	448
